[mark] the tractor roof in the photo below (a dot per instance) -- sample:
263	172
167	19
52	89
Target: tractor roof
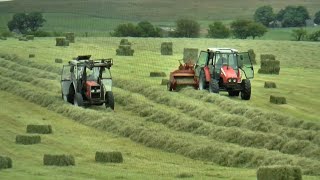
223	50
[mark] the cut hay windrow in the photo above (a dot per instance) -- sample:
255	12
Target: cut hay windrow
109	157
279	173
5	162
39	129
157	136
252	119
175	120
28	139
58	160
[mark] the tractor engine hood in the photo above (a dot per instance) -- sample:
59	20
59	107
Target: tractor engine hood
91	83
228	72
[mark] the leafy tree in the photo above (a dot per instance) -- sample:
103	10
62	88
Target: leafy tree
299	34
317	18
35	20
315	36
187	28
18	23
23	23
146	29
256	30
125	30
293	16
243	29
264	15
218	30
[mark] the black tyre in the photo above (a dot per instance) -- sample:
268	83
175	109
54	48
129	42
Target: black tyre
246	89
169	86
234	93
214	86
78	100
109	100
202	81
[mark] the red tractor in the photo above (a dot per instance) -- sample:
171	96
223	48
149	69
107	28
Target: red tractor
223	69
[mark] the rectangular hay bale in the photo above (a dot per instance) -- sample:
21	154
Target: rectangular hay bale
267	57
32	55
158	74
279	173
278	100
270	84
252	56
27	139
62	41
39	129
190	54
109	157
5	162
166	48
57	60
125	42
58	160
70	36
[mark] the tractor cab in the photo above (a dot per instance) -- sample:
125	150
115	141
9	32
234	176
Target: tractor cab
224	69
87	82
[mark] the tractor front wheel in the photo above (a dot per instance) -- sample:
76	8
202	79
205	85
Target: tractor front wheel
202	81
109	100
246	89
214	86
78	100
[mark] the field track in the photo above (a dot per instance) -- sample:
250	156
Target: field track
208	129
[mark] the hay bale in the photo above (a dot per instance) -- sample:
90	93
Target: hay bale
190	54
279	173
267	57
5	162
184	175
166	48
39	129
32	55
62	41
58	160
252	56
125	42
278	100
124	50
70	37
23	39
270	84
3	38
30	37
269	67
27	139
58	60
158	74
109	157
164	81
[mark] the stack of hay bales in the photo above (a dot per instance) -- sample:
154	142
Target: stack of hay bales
158	74
269	64
32	55
279	173
57	60
62	41
252	56
58	160
109	157
124	48
270	84
278	100
30	37
5	162
26	140
39	129
190	54
166	48
70	37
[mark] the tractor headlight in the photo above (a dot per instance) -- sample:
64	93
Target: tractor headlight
234	80
230	80
92	90
98	90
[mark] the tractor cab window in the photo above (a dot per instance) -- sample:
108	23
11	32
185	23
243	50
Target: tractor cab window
244	62
229	59
202	60
106	73
92	74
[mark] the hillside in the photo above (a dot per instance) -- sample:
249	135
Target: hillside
208	128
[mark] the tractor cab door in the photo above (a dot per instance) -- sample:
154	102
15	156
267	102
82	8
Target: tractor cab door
66	79
201	62
245	64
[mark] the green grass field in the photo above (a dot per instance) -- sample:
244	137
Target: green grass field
162	134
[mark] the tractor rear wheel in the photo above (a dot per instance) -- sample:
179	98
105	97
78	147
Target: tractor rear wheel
109	100
214	86
78	100
169	86
233	93
246	89
202	81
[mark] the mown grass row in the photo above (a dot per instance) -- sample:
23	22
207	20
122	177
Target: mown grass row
158	136
201	110
178	121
